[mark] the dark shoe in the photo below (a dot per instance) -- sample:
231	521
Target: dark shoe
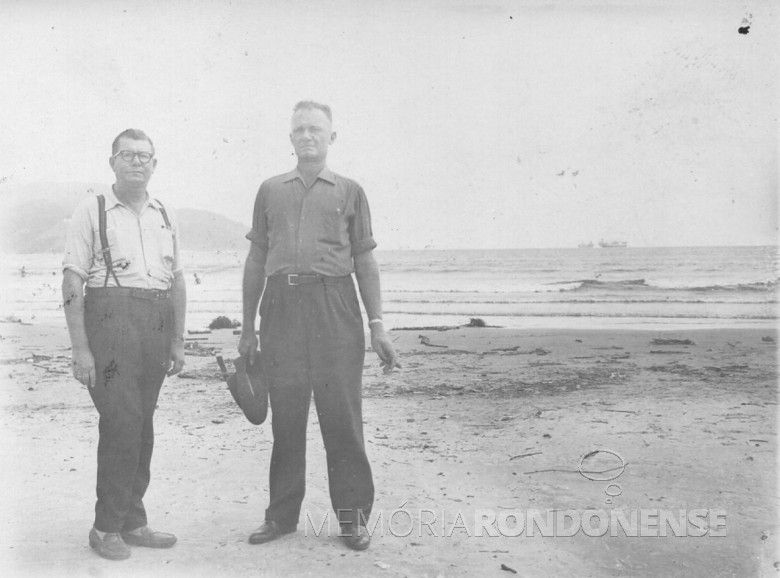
111	546
270	530
148	538
356	537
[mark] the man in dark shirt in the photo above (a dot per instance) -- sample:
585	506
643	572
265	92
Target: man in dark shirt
310	231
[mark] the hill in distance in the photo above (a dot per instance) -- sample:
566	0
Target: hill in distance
37	217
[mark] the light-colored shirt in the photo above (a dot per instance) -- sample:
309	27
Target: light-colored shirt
144	251
315	230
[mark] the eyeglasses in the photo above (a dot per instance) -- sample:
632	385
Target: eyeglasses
128	156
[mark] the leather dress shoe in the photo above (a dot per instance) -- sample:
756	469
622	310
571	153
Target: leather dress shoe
270	530
148	538
356	537
111	546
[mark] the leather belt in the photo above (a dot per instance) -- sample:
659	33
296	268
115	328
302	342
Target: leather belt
295	279
134	292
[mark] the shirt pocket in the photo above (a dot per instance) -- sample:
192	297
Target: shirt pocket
165	245
332	224
161	260
119	256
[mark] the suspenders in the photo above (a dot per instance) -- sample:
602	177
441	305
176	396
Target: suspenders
104	247
164	214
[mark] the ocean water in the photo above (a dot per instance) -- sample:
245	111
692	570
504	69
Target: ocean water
622	287
586	287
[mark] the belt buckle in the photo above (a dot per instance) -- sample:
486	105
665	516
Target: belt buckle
290	277
139	293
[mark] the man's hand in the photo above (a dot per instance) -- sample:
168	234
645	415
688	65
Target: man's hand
84	367
247	345
381	343
177	355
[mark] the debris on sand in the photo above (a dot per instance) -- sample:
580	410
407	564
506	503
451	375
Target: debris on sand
672	342
538	351
223	322
671	352
473	322
428	328
195	348
516	351
524	455
427	341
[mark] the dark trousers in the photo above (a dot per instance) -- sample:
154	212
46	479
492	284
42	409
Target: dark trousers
130	340
312	340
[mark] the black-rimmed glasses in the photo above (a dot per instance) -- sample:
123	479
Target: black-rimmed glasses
128	156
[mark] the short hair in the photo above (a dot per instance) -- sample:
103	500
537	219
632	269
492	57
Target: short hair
312	105
131	133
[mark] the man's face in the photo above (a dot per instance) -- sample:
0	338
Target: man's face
133	173
311	134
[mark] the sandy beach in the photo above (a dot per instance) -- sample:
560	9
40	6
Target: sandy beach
479	422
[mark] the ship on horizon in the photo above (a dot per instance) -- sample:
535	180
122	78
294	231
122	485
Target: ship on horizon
612	244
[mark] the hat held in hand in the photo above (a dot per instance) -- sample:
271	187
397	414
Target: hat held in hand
248	388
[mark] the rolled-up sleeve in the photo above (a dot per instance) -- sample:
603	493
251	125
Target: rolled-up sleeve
78	245
361	237
259	233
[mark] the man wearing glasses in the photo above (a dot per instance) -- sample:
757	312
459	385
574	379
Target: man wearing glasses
311	230
127	332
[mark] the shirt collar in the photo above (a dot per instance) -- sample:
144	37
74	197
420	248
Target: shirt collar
112	200
325	174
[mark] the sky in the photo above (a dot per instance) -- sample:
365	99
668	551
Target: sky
470	124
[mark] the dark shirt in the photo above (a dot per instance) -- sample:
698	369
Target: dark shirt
315	230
